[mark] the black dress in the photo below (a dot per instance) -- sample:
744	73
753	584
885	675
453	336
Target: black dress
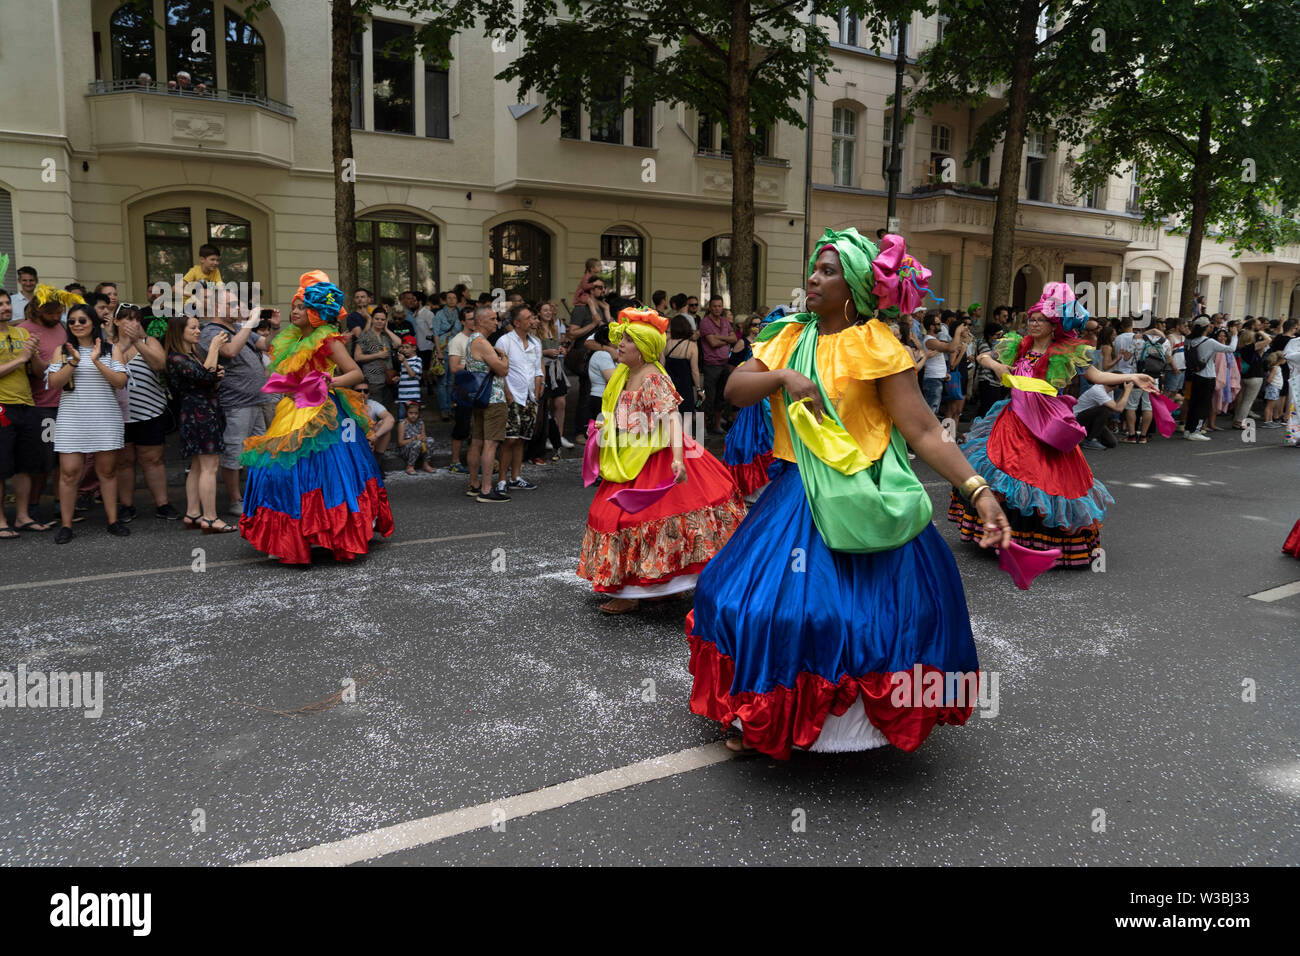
679	370
195	387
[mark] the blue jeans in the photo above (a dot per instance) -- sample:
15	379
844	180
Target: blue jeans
932	389
444	390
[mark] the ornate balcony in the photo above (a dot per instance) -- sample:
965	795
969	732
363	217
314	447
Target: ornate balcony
130	118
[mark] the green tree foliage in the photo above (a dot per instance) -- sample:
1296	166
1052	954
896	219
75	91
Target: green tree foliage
1203	96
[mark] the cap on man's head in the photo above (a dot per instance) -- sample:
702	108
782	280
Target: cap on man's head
1201	323
408	339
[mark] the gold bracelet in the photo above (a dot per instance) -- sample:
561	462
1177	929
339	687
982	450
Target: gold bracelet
975	495
968	487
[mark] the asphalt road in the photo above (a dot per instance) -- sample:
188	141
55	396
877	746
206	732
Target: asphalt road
483	672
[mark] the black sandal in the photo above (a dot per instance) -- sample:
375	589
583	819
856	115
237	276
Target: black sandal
207	525
34	526
7	533
192	521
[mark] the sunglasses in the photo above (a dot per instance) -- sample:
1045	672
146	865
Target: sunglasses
79	320
124	307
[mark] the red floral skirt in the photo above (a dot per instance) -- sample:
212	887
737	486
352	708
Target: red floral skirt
673	538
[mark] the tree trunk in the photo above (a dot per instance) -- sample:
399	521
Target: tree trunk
743	297
345	202
1196	227
1004	219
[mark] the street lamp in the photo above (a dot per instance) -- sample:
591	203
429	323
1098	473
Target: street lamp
895	148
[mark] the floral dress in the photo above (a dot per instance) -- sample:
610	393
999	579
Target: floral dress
202	423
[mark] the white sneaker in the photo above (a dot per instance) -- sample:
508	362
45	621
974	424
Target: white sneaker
565	443
1197	436
549	446
237	508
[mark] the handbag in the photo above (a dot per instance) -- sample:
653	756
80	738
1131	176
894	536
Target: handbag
472	389
391	377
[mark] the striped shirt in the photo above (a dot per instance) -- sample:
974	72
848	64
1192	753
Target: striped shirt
145	397
408	386
90	419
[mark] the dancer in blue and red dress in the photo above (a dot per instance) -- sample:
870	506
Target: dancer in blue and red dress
836	593
312	478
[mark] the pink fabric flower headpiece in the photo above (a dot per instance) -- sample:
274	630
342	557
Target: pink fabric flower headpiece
901	281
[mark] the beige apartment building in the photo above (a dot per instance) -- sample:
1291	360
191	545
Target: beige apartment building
105	174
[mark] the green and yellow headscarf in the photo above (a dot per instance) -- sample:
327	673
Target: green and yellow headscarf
622	457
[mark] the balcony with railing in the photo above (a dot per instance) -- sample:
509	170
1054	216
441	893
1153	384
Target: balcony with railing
130	116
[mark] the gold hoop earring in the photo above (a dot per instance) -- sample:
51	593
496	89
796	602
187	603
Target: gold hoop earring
847	320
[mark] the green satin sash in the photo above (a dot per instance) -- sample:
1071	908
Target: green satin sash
857	507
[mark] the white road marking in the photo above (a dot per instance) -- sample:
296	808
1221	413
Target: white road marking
1276	594
1231	451
218	564
440	826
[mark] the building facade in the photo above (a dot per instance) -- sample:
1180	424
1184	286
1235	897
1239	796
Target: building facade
107	175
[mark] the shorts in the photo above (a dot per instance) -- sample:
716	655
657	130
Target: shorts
1174	380
241	423
151	432
1272	393
489	424
1138	399
460	427
932	389
24	448
521	420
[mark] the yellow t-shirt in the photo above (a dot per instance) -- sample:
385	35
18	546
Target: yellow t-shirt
15	388
196	274
848	363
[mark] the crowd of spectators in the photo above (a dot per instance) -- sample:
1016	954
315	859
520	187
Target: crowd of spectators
91	391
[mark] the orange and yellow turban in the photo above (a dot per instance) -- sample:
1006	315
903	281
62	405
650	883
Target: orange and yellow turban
646	327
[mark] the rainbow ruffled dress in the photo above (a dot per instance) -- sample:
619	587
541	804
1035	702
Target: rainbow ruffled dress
812	626
661	548
1048	491
747	451
312	478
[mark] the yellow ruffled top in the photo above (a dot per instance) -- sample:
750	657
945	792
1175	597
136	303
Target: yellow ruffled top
848	363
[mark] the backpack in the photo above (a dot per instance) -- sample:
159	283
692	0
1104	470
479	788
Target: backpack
1192	355
1151	358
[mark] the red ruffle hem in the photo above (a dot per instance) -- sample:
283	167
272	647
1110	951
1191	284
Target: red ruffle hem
752	475
344	531
783	718
1292	544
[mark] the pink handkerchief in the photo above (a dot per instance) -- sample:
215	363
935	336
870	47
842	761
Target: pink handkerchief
1025	564
633	500
1162	413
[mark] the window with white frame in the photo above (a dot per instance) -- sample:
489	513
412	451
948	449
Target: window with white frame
1252	292
1158	284
844	141
1134	192
849	32
1040	31
609	119
407	94
941	23
1035	164
1225	295
940	149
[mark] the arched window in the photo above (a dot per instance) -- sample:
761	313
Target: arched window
621	263
131	42
245	57
172	238
182	19
395	252
844	142
168	247
521	260
715	269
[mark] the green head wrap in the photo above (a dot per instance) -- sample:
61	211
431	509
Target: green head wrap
857	252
